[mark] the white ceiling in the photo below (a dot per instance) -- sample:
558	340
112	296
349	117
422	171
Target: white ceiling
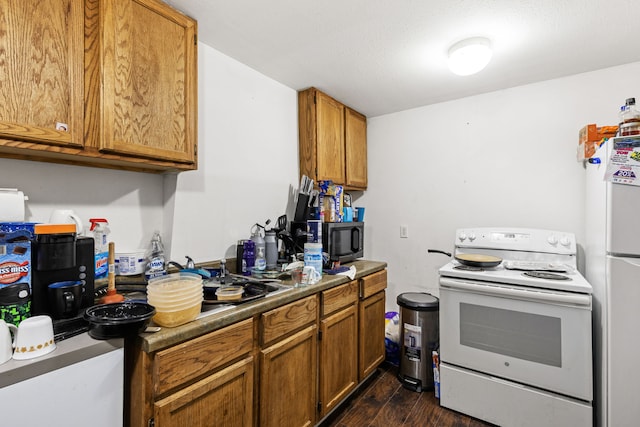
384	56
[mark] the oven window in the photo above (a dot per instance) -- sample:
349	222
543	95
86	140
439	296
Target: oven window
527	336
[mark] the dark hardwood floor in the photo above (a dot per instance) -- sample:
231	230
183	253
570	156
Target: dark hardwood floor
385	402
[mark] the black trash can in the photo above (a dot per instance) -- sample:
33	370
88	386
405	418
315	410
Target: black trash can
419	336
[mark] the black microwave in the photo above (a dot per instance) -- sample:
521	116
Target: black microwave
343	241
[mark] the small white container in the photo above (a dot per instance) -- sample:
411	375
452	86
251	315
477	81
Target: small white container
130	263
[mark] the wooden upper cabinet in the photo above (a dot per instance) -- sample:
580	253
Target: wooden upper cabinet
355	143
104	83
149	88
332	140
41	73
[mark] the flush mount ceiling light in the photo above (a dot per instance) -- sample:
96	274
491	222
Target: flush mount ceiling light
469	56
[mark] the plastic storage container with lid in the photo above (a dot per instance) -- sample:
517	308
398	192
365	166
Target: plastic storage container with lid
419	336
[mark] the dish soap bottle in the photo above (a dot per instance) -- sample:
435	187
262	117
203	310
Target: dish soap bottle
155	259
261	262
100	229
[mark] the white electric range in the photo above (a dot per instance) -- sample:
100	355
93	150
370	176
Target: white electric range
515	339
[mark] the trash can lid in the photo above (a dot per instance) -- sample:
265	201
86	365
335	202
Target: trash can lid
420	301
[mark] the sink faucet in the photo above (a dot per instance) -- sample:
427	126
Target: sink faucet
190	263
223	270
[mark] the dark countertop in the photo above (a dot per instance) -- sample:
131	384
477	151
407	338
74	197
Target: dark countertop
167	337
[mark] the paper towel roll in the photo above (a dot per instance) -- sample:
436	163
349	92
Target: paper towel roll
11	205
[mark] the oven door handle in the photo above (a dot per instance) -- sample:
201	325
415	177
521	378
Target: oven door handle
523	294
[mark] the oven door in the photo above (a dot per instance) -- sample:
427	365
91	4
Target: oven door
530	336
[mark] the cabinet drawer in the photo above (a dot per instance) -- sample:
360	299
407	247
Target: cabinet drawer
223	398
373	283
184	362
341	296
288	318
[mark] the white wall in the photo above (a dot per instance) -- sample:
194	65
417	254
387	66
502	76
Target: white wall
506	158
503	158
131	202
248	159
248	165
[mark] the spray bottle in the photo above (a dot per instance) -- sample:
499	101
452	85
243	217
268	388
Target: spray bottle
100	230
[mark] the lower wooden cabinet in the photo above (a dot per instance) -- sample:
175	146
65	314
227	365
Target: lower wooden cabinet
208	380
371	323
288	365
288	372
338	345
224	398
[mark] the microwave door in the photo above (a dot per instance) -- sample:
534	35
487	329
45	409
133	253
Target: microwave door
341	242
346	241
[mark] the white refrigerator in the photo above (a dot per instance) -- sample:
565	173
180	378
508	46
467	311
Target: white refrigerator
612	266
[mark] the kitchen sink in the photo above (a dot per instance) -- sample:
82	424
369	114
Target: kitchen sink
253	290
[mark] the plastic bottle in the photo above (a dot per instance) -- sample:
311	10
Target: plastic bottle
629	119
155	259
271	245
248	257
629	113
258	240
261	261
100	229
313	256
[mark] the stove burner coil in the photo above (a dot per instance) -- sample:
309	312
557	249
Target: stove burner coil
545	275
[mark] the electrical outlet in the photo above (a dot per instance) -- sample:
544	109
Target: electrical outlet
404	231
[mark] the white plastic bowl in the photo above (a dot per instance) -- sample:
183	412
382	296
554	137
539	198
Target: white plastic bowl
172	318
176	307
174	284
169	302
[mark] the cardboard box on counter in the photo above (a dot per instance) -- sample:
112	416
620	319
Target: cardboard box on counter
591	137
15	271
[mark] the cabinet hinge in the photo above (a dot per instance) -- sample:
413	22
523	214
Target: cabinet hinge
319	335
195	149
195	39
151	422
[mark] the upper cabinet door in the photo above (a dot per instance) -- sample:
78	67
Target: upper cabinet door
332	140
355	149
149	87
330	136
41	73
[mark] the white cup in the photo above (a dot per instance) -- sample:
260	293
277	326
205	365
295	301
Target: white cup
34	338
310	276
66	216
6	341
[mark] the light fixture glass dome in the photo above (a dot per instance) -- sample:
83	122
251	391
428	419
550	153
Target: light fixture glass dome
469	56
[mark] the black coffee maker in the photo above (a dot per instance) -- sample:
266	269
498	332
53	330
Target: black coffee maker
59	256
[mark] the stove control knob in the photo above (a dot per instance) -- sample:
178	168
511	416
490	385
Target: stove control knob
553	240
462	236
564	241
472	237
